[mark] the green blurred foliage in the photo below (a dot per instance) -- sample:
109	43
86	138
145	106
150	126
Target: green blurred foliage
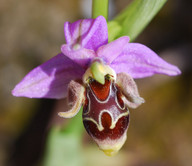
134	18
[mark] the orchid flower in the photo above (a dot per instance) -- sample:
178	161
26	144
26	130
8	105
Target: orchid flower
98	76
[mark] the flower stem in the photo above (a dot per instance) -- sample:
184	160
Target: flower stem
100	7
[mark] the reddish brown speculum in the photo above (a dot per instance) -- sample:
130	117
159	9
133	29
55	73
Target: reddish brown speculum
100	91
105	115
114	133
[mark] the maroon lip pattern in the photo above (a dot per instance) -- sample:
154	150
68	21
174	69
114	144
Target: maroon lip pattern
105	115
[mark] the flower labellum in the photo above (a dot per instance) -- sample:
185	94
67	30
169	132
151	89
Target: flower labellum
98	76
105	115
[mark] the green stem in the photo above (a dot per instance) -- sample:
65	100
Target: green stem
100	7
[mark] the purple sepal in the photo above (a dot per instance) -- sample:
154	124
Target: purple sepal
81	56
140	61
88	33
49	80
112	50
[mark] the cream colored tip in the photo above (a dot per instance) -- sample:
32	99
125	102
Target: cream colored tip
111	147
66	114
110	152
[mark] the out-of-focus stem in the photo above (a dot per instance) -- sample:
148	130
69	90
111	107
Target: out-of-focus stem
100	7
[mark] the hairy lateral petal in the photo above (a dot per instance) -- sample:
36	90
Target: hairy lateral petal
50	79
129	89
140	61
81	56
111	51
88	33
76	96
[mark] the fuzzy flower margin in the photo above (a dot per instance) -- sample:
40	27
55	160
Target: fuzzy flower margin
98	76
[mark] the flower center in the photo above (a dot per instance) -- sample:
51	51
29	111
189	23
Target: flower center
98	71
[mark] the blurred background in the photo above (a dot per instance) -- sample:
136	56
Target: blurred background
160	134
